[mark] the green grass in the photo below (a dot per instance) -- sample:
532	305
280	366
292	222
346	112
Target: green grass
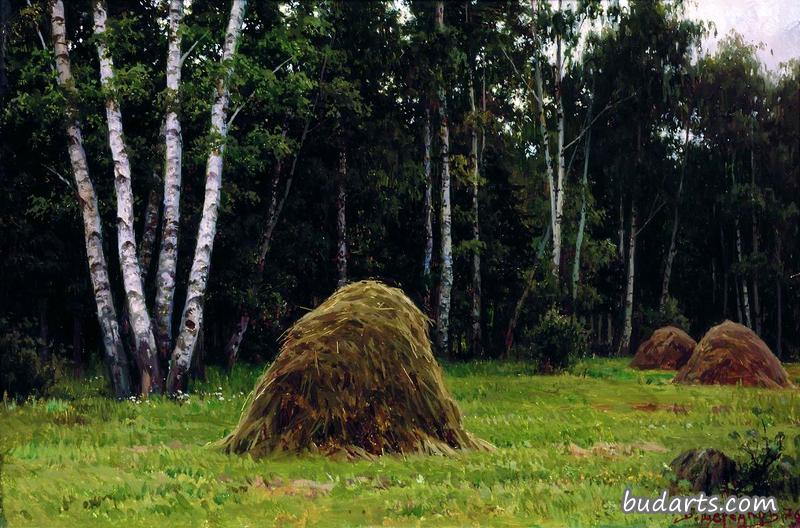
80	459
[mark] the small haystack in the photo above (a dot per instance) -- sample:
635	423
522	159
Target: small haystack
355	376
669	348
730	354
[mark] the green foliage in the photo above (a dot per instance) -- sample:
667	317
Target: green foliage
669	315
557	341
22	371
766	468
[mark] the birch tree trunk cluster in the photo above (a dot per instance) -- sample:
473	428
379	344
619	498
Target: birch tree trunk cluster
150	348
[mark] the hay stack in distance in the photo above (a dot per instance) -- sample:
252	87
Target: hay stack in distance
730	354
356	376
669	348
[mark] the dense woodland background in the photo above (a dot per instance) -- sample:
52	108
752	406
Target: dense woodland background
607	125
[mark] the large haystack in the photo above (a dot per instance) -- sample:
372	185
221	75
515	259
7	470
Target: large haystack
730	354
669	348
355	376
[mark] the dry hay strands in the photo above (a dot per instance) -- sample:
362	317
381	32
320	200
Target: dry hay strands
732	354
354	377
668	348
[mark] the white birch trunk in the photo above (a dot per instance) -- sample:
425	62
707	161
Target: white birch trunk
673	240
198	277
341	220
558	217
92	226
754	226
145	351
576	265
745	293
476	255
168	256
551	178
427	212
627	323
446	241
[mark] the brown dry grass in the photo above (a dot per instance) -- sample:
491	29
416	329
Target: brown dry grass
356	378
669	348
731	354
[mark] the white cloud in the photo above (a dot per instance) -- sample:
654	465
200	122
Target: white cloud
776	23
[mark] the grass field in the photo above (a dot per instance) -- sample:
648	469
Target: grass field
79	459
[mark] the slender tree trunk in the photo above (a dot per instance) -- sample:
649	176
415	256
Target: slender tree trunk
173	154
476	237
738	288
673	246
151	218
713	281
341	220
427	212
145	351
745	294
627	324
526	291
576	265
235	341
778	297
621	231
555	226
754	226
198	277
446	241
92	226
725	271
756	296
273	215
483	125
559	190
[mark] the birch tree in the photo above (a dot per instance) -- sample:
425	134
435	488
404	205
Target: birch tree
745	294
173	143
446	241
145	345
476	337
192	317
427	213
576	265
754	225
538	96
92	226
673	240
627	320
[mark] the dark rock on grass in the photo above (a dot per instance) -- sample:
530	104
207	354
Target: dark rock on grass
707	470
669	348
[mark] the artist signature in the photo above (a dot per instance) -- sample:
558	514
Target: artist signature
787	517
